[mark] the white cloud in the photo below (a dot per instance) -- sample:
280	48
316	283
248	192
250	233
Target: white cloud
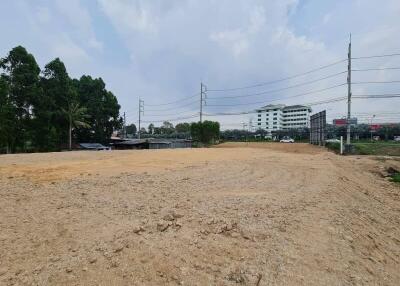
79	18
69	51
130	16
43	15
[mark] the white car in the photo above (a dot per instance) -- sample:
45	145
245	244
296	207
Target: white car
286	140
332	140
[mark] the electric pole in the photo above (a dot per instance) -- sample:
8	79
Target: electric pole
141	112
201	102
124	126
349	94
203	96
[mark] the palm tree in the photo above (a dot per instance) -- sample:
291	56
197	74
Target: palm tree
76	116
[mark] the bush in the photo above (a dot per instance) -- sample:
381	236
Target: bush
396	178
206	132
333	146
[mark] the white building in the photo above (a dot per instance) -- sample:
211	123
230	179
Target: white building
281	117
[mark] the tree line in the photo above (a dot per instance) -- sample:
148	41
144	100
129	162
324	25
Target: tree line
359	131
46	110
206	132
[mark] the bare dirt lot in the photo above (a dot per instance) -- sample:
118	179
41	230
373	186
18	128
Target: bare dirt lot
250	214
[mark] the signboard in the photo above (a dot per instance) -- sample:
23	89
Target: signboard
343	121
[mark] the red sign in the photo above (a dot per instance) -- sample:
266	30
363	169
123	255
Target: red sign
375	126
340	122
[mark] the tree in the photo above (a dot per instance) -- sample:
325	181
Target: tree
22	75
7	117
131	129
167	128
76	116
151	128
50	125
182	127
102	107
206	132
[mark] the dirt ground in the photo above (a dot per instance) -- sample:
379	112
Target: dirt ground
250	214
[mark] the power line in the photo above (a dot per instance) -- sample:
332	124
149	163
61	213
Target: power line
376	82
171	114
330	100
172	119
255	110
278	80
176	101
376	69
169	109
280	89
376	56
289	97
387	95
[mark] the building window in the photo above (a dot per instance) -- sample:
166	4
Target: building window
275	118
275	113
259	123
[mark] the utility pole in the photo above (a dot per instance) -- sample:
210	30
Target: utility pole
349	94
124	126
141	112
201	102
203	96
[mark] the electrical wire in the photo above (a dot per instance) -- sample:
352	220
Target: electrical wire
176	101
163	115
387	95
376	69
173	119
376	56
280	89
169	109
277	80
376	82
282	98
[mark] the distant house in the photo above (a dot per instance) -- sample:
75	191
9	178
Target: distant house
152	143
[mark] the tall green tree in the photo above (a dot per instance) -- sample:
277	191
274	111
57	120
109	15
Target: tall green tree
21	71
50	123
102	107
7	117
76	116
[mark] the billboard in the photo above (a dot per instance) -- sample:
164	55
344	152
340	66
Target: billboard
343	121
318	128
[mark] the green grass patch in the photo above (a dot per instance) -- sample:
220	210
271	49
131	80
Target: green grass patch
378	148
396	178
333	146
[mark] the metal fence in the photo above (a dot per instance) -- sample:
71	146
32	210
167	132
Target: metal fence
318	128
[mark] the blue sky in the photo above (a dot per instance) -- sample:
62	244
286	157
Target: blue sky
161	50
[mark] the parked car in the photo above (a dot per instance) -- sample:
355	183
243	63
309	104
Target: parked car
332	140
397	138
286	139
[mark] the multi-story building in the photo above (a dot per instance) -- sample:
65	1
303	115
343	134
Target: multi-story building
281	117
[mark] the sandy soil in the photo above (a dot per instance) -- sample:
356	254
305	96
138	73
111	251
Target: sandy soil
250	214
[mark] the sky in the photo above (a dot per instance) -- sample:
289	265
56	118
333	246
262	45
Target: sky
160	51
